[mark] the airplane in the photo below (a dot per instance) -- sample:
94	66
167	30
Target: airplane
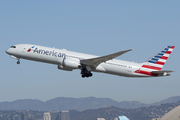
123	118
69	60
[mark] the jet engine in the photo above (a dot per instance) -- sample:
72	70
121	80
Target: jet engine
69	64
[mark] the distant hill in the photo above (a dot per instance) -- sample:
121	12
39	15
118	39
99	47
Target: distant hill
80	104
168	100
88	103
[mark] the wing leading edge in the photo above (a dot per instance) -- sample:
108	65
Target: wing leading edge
98	60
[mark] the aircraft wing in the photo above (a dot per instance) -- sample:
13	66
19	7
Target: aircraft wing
94	62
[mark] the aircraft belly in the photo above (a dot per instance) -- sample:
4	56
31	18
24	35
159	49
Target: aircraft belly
116	70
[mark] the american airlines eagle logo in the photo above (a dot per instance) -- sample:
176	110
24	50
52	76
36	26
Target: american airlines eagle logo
29	50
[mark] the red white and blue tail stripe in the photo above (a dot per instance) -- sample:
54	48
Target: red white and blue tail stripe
156	62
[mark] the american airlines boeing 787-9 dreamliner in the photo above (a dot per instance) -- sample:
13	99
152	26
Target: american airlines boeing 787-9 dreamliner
68	60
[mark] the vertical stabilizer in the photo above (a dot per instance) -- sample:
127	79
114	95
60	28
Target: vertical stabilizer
156	62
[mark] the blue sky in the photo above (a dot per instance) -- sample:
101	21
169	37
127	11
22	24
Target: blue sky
95	27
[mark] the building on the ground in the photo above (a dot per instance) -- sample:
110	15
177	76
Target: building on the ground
116	118
15	117
156	119
121	118
100	119
47	116
24	116
51	116
174	114
63	115
12	117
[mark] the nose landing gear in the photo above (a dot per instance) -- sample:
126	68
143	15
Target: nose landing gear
18	62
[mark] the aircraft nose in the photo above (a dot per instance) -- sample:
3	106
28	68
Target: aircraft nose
7	51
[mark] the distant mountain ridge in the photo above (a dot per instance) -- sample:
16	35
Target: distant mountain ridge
168	100
80	104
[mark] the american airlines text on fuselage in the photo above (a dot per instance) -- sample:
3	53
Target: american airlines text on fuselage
51	53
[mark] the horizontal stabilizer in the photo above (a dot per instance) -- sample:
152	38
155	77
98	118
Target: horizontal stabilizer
166	71
162	73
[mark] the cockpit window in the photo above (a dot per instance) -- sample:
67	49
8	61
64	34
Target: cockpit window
13	46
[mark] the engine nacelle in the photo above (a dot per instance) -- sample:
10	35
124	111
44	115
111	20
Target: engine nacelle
64	68
69	64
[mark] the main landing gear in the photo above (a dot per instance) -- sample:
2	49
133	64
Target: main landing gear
85	72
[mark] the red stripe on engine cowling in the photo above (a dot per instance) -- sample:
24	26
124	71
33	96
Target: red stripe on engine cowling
152	67
160	63
146	73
